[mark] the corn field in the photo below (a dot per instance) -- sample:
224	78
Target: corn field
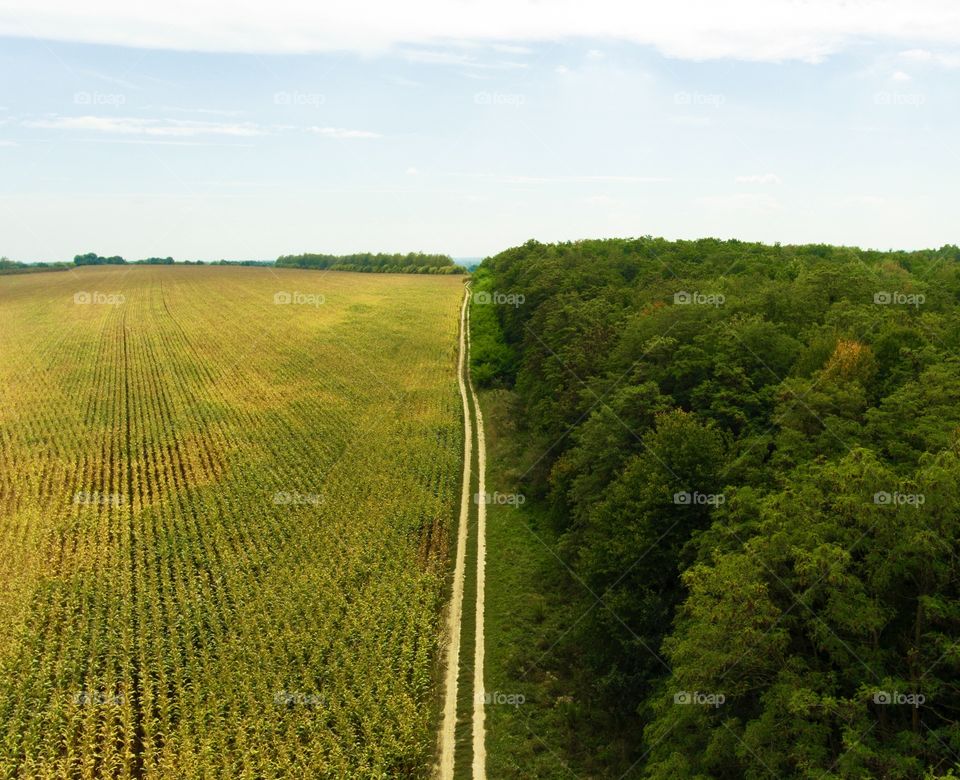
225	498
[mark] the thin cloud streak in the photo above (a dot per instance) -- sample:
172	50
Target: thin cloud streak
750	30
181	128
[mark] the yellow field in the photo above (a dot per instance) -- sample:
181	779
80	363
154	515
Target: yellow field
223	521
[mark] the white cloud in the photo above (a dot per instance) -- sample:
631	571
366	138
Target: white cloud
429	57
867	200
759	178
341	132
8	143
154	141
151	127
583	179
411	171
924	56
900	76
768	30
600	200
183	110
180	128
447	57
507	48
687	120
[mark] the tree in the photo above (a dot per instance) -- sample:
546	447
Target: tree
629	550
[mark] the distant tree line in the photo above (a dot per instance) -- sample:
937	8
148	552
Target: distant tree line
751	455
155	261
13	267
411	263
270	263
91	258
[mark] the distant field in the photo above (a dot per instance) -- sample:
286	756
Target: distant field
223	521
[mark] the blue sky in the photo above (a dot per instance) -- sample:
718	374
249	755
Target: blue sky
249	144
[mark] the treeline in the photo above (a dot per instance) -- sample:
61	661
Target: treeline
752	456
12	267
92	258
410	263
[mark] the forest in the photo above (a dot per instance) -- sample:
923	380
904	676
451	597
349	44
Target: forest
749	454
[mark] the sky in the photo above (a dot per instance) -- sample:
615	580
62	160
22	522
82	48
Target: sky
207	130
